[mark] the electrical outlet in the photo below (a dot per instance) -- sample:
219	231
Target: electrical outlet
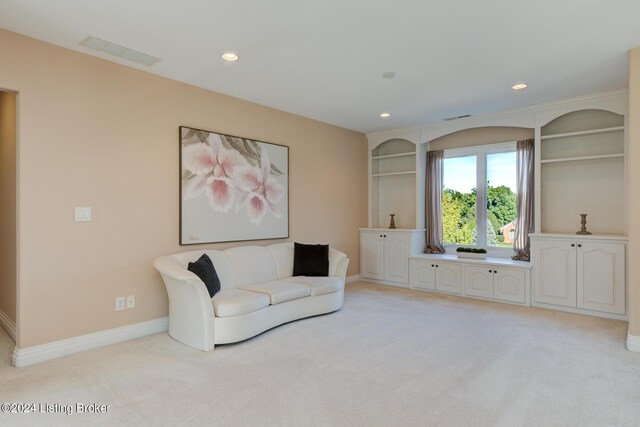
131	301
119	303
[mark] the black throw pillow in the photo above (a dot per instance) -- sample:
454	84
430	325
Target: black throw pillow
204	269
310	260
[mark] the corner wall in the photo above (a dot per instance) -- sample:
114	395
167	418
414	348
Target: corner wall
99	134
633	200
8	205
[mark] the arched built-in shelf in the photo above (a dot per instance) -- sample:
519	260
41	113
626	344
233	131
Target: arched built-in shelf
582	170
393	183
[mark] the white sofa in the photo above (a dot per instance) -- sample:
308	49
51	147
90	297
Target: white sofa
257	293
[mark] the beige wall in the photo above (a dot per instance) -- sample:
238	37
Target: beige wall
8	204
94	133
633	195
480	136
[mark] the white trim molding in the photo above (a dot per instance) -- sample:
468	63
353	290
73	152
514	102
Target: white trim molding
8	325
633	342
40	353
522	118
411	134
352	279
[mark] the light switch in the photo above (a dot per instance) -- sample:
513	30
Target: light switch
83	214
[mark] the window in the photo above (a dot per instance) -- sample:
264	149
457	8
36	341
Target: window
479	195
459	200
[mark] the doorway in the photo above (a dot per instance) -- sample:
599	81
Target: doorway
8	217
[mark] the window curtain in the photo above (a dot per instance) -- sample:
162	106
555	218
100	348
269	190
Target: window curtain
524	221
433	203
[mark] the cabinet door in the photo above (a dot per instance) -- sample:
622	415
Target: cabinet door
396	257
601	277
372	255
448	278
422	274
509	285
478	280
554	263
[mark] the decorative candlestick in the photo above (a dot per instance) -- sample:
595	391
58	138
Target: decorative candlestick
392	224
583	222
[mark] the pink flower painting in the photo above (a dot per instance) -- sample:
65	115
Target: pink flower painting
260	192
232	172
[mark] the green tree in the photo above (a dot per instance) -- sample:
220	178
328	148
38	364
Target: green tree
458	217
459	214
491	234
501	205
451	214
494	221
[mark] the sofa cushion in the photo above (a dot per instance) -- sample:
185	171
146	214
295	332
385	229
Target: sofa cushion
310	260
252	265
220	260
236	302
319	285
281	290
283	254
204	269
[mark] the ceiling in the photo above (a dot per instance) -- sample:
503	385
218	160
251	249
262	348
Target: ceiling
324	59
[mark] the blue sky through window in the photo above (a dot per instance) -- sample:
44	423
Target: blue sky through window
460	172
501	170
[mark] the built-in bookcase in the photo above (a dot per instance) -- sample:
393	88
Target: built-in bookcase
582	170
393	184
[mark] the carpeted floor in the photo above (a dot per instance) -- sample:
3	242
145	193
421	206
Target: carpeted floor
390	357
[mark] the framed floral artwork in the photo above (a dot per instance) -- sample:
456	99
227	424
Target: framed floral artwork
232	188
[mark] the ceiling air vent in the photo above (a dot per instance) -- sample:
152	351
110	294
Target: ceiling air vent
456	117
119	51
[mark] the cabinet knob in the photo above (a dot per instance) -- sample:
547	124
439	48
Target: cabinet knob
385	235
433	265
495	271
579	245
490	271
436	265
573	245
381	235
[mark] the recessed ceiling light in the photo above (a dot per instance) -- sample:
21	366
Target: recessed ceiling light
519	86
385	115
389	75
230	56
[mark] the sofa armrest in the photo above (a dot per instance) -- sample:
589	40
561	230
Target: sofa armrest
191	316
338	263
341	270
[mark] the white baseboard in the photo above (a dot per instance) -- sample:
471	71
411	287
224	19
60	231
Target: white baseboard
384	282
352	279
633	343
8	325
40	353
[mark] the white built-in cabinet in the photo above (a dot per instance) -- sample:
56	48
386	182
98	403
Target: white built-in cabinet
384	254
436	275
499	279
396	177
580	168
496	282
396	174
580	273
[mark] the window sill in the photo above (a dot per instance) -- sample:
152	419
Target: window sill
502	261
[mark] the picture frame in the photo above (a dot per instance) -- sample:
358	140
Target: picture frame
231	188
